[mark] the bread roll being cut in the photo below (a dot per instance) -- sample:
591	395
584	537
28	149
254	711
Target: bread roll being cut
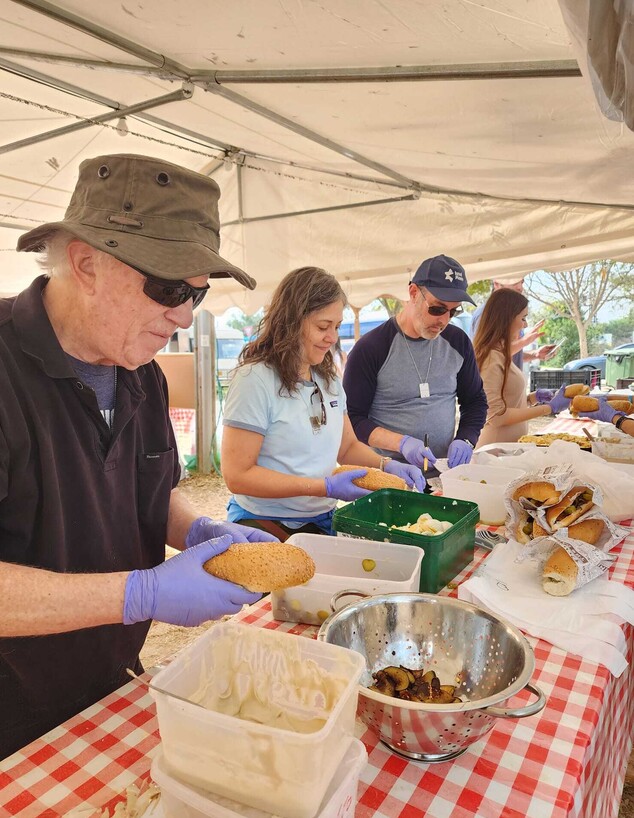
572	506
540	493
587	530
262	566
576	389
560	573
374	479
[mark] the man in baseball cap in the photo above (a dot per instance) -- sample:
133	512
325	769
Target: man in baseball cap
445	279
403	378
88	462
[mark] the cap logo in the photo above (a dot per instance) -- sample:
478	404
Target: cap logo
452	275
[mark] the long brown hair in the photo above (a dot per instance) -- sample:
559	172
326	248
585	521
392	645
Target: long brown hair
494	329
279	341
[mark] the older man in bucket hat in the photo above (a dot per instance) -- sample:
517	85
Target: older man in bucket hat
88	465
403	378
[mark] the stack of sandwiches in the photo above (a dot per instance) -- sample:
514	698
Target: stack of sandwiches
560	510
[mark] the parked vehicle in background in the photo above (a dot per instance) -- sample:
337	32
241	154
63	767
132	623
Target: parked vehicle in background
595	361
229	343
346	330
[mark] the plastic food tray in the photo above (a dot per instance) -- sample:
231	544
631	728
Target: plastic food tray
366	565
180	800
445	555
276	770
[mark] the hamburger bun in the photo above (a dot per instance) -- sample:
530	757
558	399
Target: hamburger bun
538	530
576	389
375	479
540	492
572	506
583	403
523	531
559	576
262	566
587	530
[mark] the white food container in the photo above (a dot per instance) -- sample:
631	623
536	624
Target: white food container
339	565
180	800
276	770
464	483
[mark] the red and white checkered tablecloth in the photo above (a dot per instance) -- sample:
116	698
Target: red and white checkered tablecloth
568	761
573	426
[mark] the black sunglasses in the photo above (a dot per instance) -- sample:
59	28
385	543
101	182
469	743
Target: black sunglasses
171	293
438	309
318	420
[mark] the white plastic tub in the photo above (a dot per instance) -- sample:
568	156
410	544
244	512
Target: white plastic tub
180	800
339	564
465	483
274	769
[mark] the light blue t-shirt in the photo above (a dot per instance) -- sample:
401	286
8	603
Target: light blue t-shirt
289	445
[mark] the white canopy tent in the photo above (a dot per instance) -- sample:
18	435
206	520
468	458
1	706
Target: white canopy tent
353	134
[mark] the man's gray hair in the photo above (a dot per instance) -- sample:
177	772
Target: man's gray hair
54	258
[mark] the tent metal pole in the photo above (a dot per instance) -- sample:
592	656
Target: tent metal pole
411	197
80	24
284	122
17	226
82	62
175	96
397	73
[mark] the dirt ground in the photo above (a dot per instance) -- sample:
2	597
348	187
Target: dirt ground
209	495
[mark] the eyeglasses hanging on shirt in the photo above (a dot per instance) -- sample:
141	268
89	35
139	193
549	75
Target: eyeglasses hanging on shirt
318	417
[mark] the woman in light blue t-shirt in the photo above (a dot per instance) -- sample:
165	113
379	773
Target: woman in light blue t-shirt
285	419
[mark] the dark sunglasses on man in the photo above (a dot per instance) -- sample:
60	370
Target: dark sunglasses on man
171	293
440	309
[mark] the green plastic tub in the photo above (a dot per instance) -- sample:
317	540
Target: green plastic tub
445	554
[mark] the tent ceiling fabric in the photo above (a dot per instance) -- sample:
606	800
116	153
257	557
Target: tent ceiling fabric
508	175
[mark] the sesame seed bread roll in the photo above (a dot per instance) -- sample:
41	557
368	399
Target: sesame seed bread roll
262	566
540	492
560	573
374	479
621	405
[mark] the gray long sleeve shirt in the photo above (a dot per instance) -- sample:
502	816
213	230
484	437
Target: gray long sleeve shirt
382	380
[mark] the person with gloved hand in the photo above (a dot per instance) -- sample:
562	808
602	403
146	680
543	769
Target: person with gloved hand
89	468
180	592
510	408
608	414
406	378
285	421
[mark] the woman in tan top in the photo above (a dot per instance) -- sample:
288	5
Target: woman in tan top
510	408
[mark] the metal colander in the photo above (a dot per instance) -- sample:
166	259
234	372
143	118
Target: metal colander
487	659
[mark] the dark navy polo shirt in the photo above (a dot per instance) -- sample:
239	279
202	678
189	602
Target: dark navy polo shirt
74	497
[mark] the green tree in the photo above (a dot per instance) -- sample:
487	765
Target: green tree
579	294
390	304
479	291
248	324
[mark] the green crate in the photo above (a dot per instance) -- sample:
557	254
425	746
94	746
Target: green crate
445	554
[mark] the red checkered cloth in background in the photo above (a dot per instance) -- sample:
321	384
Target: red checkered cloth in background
569	760
184	424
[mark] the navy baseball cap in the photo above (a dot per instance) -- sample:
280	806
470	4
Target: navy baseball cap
444	277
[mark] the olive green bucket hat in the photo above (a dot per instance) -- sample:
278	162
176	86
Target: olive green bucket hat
150	214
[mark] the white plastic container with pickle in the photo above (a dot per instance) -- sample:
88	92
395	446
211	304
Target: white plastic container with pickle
342	563
484	485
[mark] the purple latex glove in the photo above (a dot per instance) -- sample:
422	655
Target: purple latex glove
544	395
415	452
605	412
459	453
412	475
341	487
204	529
181	592
560	401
